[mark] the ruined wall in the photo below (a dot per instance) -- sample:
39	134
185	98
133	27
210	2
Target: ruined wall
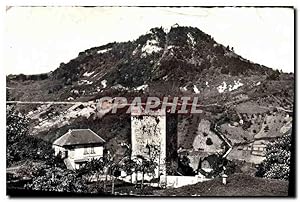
150	129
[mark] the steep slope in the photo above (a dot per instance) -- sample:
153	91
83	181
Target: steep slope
185	59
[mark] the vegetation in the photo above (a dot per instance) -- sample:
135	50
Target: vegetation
274	75
57	179
277	162
209	141
184	166
34	77
93	169
49	173
22	146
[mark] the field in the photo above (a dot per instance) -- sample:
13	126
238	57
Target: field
238	185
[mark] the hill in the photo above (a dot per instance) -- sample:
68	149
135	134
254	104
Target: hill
182	61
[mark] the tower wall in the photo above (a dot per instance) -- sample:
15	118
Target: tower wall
148	139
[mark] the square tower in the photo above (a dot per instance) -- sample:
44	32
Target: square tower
148	139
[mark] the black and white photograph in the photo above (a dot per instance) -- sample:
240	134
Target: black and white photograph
151	101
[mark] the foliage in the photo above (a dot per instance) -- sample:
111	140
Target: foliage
183	166
93	168
274	75
145	166
277	162
219	166
17	125
225	70
34	77
22	146
57	179
129	165
209	141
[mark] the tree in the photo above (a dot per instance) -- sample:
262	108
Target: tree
246	125
57	179
277	162
225	70
92	169
20	145
184	166
209	141
16	130
145	166
108	161
115	173
16	125
274	75
128	166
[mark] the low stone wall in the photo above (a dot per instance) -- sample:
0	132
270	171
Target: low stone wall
172	181
179	181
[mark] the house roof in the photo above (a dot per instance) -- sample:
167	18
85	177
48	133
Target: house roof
78	137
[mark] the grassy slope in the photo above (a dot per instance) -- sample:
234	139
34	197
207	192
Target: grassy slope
238	185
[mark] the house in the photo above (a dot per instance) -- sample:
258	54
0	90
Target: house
78	146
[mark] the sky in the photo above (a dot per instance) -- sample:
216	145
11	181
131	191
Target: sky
38	39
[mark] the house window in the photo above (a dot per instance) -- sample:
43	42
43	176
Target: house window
92	150
81	165
85	151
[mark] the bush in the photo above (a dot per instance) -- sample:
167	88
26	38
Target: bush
184	166
22	146
274	75
209	141
277	162
225	70
246	125
57	179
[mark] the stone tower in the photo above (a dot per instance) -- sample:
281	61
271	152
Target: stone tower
148	139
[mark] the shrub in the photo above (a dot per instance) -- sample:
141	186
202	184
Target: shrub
225	70
209	141
57	179
277	162
20	145
274	75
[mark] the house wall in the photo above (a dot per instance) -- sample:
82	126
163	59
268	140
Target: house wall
78	153
58	149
